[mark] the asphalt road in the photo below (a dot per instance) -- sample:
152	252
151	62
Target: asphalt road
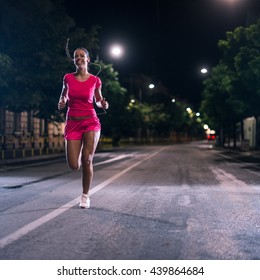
186	202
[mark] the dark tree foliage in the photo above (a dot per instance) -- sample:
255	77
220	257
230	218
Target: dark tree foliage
232	91
33	38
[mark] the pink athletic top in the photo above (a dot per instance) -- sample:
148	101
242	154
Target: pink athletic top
81	95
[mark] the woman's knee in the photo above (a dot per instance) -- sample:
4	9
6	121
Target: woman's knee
74	167
87	158
73	164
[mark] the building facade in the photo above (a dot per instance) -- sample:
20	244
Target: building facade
22	133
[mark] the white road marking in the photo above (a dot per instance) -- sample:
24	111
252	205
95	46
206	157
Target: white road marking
46	218
231	184
227	179
111	160
243	163
9	184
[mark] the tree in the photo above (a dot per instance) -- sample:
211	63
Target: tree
33	35
241	53
155	120
231	92
219	109
116	122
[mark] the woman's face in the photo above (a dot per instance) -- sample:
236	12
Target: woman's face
80	58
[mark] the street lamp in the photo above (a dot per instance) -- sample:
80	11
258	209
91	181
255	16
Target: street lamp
233	1
204	70
189	110
116	51
205	126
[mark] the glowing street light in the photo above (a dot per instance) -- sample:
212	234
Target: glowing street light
189	110
151	86
204	70
116	51
231	1
205	126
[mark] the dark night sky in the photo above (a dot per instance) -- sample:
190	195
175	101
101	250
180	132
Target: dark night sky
169	40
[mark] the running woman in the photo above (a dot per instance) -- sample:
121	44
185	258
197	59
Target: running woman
82	128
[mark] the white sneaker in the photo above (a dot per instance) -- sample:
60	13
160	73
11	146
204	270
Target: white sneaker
85	201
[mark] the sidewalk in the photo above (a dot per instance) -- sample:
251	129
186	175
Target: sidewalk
250	156
44	157
31	159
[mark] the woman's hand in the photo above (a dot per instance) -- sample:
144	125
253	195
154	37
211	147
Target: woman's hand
62	103
103	104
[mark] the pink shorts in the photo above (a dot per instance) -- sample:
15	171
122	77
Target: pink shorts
74	129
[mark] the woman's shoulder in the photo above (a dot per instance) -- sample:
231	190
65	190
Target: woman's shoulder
68	77
95	78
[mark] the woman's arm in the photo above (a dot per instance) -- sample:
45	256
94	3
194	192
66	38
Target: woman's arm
100	101
63	97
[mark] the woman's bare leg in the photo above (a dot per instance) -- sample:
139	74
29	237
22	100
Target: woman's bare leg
73	153
90	141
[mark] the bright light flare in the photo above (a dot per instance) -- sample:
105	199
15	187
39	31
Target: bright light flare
204	71
231	2
116	51
189	110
